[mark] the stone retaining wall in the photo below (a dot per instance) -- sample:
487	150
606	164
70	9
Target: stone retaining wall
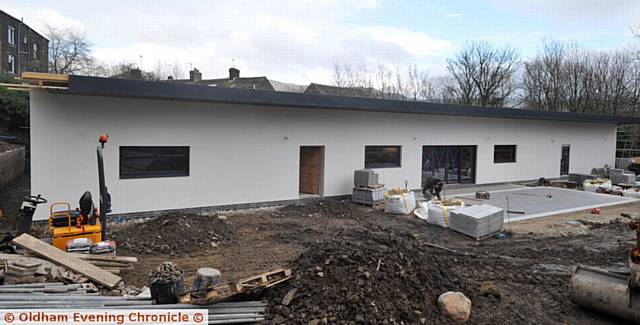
12	164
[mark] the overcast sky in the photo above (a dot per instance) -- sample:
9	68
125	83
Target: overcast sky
299	41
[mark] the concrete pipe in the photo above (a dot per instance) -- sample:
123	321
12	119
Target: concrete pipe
604	291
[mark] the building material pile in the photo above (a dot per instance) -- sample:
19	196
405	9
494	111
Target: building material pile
399	201
16	272
223	291
70	262
438	212
173	234
367	189
113	264
620	176
42	264
477	221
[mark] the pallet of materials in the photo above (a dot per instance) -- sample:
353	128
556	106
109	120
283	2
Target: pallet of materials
477	221
369	196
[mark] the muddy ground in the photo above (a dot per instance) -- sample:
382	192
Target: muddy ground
527	272
530	268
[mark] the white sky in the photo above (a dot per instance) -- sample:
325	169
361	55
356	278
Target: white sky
299	41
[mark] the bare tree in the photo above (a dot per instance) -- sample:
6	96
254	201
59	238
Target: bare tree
565	78
399	83
69	51
484	74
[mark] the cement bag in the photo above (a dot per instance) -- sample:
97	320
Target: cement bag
591	185
439	211
398	201
422	211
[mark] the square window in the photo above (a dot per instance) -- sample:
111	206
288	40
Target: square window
382	156
504	154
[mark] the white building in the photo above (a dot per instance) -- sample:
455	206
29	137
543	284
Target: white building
182	146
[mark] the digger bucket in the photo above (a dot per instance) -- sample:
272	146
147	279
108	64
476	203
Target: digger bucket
604	291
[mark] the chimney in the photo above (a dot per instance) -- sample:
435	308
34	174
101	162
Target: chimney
136	73
195	75
234	73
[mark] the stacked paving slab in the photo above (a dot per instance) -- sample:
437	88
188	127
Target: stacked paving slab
477	221
366	189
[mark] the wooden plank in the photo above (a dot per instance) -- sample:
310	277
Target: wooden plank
110	264
27	87
45	76
106	258
75	264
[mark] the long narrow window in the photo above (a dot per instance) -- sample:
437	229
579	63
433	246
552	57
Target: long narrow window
152	162
382	156
35	51
11	64
11	34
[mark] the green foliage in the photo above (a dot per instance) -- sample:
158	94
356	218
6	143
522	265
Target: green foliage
14	106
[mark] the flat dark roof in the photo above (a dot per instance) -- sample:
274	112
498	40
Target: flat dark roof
94	86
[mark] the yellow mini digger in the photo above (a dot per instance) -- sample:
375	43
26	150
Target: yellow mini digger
66	224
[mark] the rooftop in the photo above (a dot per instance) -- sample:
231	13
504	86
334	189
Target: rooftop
95	86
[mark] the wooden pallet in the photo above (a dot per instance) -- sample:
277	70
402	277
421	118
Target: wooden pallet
223	291
373	186
370	204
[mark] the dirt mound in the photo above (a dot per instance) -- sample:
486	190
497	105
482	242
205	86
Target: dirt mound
366	277
172	235
332	208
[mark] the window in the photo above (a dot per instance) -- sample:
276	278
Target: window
35	51
11	33
11	62
504	154
382	156
152	162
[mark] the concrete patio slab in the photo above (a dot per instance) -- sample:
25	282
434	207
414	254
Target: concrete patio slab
537	202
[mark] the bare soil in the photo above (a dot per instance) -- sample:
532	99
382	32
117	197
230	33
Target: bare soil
381	269
528	271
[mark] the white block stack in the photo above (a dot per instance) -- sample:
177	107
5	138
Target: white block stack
477	221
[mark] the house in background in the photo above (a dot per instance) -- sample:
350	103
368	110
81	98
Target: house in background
235	81
21	47
263	83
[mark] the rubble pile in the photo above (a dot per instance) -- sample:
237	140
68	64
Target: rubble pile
165	272
172	235
366	277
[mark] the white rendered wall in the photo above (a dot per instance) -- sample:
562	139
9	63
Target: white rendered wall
239	154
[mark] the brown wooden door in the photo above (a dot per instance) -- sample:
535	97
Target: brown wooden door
310	163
